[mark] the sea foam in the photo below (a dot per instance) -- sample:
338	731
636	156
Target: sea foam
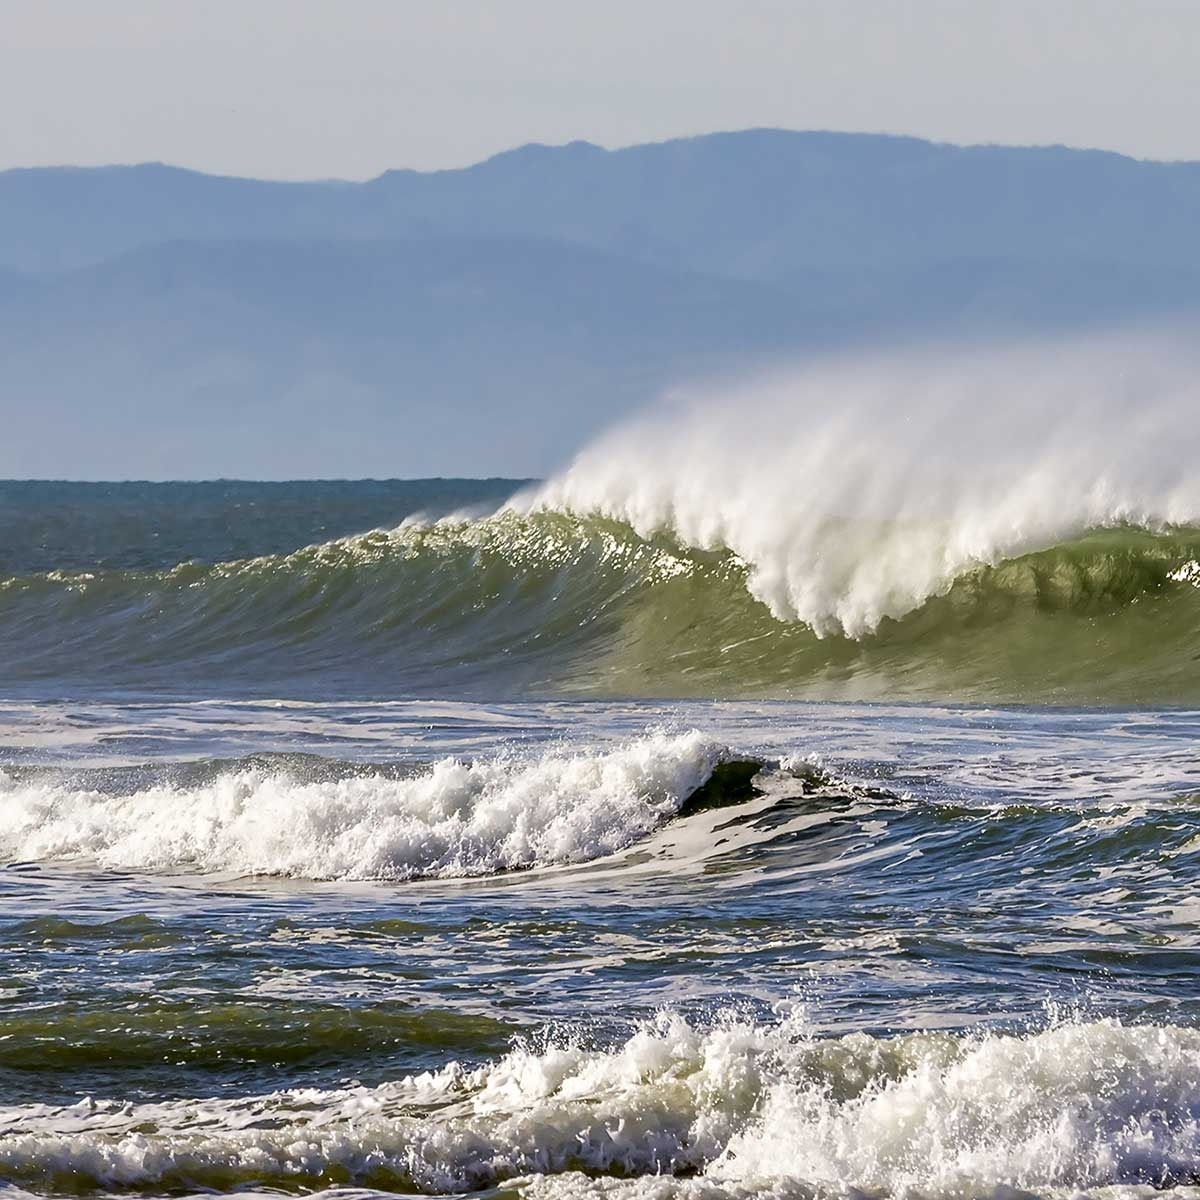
741	1108
455	818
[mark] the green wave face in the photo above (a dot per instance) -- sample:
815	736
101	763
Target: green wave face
552	604
1110	618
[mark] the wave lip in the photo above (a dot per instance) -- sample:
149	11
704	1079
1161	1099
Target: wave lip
454	819
738	1108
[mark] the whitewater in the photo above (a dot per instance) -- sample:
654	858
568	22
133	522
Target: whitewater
795	795
875	485
731	1109
456	818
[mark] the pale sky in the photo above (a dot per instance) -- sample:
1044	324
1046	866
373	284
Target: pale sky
313	88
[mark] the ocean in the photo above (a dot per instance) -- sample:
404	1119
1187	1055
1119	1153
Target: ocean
663	830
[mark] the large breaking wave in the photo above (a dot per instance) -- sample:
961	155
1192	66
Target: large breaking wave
999	526
554	604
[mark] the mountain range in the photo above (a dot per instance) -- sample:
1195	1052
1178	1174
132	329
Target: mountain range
157	322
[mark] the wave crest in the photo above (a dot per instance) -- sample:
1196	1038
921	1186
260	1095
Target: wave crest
454	819
855	492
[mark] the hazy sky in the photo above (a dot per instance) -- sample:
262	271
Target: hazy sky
297	88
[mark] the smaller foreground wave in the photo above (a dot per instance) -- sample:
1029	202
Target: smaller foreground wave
454	819
733	1109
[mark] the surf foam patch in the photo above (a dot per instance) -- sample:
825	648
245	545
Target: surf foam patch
454	819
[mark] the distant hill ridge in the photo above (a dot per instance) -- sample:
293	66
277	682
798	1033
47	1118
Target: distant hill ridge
754	204
158	322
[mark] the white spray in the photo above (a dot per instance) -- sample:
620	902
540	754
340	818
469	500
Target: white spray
855	490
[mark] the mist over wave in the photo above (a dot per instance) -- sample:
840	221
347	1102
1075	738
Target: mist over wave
856	490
